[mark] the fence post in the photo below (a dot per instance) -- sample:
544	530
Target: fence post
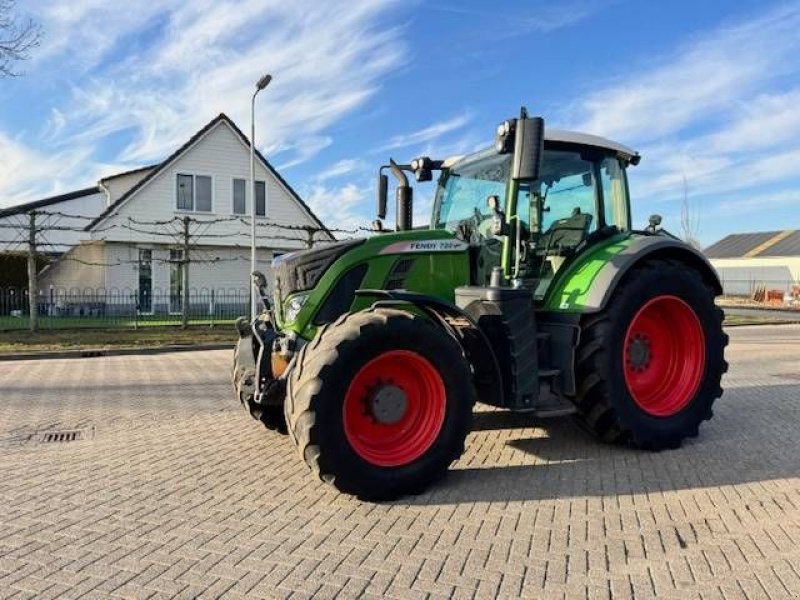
33	284
185	262
212	307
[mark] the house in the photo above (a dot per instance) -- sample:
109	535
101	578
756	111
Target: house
748	261
190	211
60	219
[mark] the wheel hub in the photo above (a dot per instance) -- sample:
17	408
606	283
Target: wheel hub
639	353
388	404
664	356
394	408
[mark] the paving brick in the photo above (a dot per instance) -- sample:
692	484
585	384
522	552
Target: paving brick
181	495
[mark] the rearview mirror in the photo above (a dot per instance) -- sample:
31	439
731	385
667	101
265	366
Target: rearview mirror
383	190
405	208
528	148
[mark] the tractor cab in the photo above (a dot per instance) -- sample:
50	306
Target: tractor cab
530	229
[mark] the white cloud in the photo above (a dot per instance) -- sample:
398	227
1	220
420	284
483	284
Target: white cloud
338	169
339	207
717	111
427	134
27	174
740	205
152	75
706	76
544	17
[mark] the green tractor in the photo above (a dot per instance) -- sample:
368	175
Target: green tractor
529	291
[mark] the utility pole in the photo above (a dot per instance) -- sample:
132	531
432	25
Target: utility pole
33	284
185	273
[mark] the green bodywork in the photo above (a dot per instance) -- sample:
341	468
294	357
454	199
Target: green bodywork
437	274
569	290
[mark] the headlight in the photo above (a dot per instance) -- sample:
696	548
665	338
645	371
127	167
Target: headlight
293	307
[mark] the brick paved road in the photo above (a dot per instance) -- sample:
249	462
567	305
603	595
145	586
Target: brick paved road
181	494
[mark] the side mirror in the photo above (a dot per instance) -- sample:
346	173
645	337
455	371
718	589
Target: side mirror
383	190
654	223
528	148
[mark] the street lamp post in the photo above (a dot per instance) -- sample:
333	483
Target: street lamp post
260	85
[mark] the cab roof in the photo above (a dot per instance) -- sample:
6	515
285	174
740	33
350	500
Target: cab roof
572	137
586	139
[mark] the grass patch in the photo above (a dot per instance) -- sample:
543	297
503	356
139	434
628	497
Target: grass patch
21	323
28	341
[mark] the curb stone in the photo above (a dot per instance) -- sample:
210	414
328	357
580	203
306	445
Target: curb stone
95	352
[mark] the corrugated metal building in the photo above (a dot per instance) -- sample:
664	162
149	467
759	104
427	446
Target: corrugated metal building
745	261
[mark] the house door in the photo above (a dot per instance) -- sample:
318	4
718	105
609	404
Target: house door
145	281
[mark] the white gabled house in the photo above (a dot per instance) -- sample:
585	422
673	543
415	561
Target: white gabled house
134	247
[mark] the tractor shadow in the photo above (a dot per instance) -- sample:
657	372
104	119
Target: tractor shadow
752	438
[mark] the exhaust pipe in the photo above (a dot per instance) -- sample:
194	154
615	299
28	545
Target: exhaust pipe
405	199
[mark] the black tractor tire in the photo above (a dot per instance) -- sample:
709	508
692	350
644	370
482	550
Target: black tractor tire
318	388
605	402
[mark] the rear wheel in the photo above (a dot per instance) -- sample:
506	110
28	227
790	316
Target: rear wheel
380	403
649	367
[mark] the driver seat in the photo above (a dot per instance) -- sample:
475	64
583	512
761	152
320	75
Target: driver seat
564	235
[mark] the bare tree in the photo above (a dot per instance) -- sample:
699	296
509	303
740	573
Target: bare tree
17	38
690	219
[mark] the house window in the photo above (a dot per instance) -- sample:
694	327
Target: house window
261	199
185	192
193	192
239	195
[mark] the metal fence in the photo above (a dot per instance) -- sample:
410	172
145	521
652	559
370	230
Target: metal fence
59	308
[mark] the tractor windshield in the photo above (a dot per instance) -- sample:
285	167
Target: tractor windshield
572	187
463	190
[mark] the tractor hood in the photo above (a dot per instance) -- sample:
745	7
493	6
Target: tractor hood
313	287
302	270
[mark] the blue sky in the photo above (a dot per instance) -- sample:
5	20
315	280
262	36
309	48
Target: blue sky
708	92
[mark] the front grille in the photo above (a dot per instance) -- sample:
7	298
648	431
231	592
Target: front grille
298	271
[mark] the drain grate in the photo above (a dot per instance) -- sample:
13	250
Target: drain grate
60	436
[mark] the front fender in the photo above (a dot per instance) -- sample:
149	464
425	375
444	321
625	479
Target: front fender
589	282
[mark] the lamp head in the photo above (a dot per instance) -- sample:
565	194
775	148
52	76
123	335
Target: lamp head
263	82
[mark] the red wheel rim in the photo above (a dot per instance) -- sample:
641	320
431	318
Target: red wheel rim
415	394
664	356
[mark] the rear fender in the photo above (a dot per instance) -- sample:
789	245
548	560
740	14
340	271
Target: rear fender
461	327
589	294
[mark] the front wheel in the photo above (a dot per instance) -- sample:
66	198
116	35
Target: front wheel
649	366
379	403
